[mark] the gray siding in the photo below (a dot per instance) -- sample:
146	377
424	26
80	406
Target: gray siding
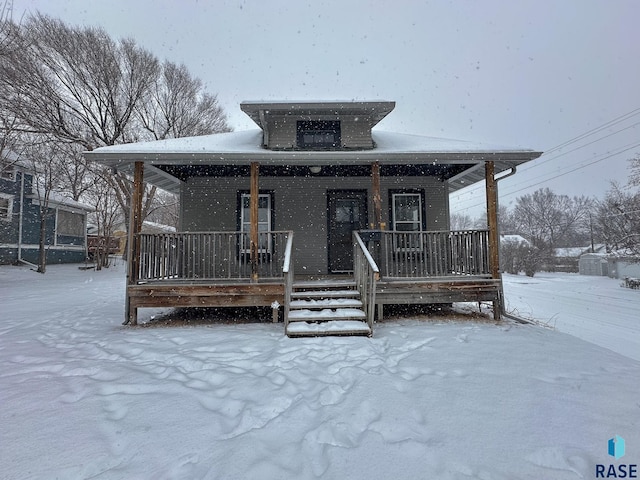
300	204
355	131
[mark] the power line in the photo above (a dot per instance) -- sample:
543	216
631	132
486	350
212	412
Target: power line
634	145
615	121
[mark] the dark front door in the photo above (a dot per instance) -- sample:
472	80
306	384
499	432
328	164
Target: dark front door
347	212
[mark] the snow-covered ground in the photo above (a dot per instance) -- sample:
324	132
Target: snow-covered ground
595	309
82	397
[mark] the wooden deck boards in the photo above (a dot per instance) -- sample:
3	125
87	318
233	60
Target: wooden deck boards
205	295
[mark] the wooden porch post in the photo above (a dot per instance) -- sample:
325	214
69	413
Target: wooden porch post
253	219
377	198
135	226
494	239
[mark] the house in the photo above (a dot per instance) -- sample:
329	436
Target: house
315	211
65	236
567	259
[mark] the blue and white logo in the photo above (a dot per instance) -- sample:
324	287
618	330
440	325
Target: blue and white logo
616	447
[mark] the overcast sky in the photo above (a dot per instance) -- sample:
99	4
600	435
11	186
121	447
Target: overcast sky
526	73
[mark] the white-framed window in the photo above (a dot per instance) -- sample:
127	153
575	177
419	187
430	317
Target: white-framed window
264	221
6	206
407	220
407	212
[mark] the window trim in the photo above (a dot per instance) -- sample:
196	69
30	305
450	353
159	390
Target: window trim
242	194
421	221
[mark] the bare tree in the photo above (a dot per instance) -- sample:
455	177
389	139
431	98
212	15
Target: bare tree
178	106
460	221
617	220
549	220
105	216
43	158
82	88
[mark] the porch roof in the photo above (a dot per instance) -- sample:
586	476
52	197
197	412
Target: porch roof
244	147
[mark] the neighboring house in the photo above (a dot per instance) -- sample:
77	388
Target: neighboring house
313	206
567	259
65	236
618	264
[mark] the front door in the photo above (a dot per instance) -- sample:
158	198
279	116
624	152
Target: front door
347	212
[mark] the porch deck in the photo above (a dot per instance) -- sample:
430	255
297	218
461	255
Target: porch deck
212	269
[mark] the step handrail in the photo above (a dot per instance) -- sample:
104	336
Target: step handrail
288	274
366	274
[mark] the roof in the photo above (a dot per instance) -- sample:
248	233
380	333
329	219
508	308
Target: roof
261	111
58	200
244	147
514	239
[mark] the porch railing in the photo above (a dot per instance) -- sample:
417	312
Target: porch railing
366	274
209	255
432	253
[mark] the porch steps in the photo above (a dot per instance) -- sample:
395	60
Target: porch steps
324	308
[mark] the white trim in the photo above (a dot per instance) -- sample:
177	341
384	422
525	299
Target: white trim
244	222
80	248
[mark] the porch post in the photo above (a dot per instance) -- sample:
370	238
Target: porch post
253	219
135	226
494	239
377	198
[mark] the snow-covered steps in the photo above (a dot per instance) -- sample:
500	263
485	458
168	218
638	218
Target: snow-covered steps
327	303
326	308
303	329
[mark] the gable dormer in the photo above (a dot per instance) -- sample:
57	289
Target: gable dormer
317	125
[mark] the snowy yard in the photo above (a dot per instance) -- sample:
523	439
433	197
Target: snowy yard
595	309
83	397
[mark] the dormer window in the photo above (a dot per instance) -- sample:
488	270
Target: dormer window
318	134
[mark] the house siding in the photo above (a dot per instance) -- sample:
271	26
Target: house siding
63	249
355	131
300	205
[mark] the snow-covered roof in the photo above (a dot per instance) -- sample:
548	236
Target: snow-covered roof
250	142
58	200
576	251
245	147
514	239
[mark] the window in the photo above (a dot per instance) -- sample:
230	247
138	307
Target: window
407	212
318	134
7	172
264	221
406	215
70	224
6	206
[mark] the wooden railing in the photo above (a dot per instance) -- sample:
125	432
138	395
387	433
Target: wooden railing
288	274
209	255
432	254
366	275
